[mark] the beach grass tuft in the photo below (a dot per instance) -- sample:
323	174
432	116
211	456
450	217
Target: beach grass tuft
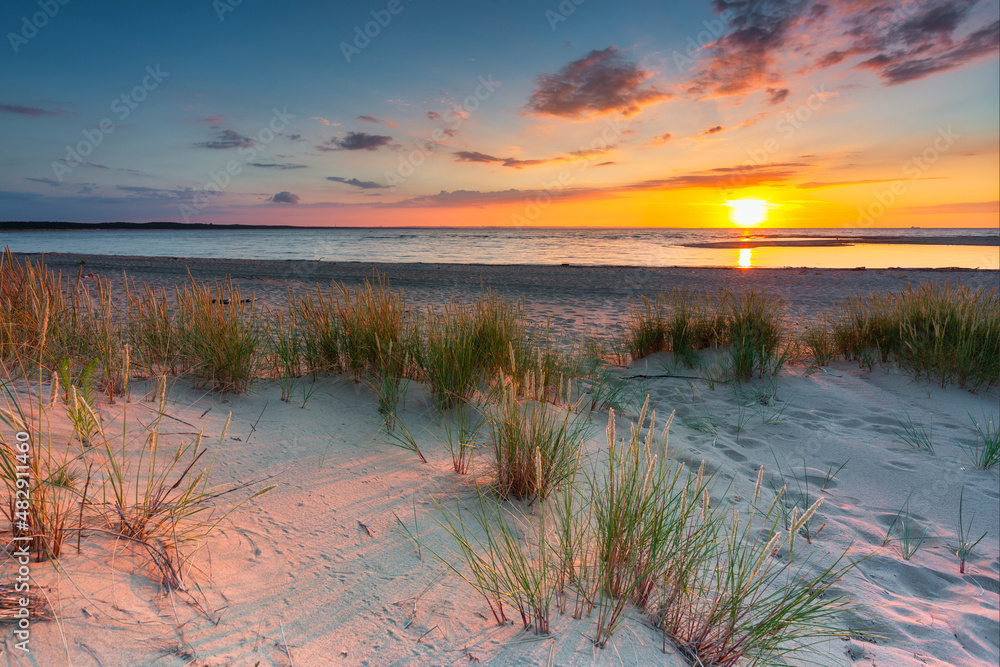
221	338
749	323
966	544
916	435
640	532
947	332
985	451
40	477
534	444
155	496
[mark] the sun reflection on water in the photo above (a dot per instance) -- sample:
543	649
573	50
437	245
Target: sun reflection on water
746	257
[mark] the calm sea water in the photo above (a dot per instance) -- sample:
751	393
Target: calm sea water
636	247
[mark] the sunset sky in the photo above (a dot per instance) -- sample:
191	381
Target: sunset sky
843	113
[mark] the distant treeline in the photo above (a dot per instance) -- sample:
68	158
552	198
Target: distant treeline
12	226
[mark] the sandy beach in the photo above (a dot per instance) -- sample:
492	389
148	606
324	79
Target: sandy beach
576	300
319	572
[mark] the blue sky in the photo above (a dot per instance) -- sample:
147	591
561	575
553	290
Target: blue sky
598	113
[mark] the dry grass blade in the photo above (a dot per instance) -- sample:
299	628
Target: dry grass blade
10	604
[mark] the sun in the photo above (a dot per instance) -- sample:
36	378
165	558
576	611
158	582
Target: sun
748	212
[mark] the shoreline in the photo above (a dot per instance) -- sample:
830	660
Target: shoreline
764	241
595	290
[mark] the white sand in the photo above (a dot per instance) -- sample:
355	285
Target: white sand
298	559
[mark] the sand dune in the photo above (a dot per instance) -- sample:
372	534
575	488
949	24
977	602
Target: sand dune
300	560
318	568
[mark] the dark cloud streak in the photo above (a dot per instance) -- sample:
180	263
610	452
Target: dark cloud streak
364	185
357	141
31	111
227	139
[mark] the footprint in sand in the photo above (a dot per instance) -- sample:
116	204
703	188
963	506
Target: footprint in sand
806	416
731	453
884	421
752	443
822	480
899	464
894	517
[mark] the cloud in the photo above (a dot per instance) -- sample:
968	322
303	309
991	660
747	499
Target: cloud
277	165
81	188
476	156
284	197
364	185
433	115
920	52
661	139
712	130
324	121
31	111
170	194
357	141
832	58
591	152
465	198
517	164
745	58
720	177
814	185
988	207
604	164
600	82
777	95
725	177
368	118
125	170
295	136
900	42
227	139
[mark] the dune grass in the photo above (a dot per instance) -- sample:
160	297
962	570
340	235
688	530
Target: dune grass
41	479
349	329
754	333
985	451
151	331
748	323
916	435
534	445
966	544
950	333
91	482
463	429
508	556
32	308
818	340
678	321
285	347
640	533
221	337
464	345
449	355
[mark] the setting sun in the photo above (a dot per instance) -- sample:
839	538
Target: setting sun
748	212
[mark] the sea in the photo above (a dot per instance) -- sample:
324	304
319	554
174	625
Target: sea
523	245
